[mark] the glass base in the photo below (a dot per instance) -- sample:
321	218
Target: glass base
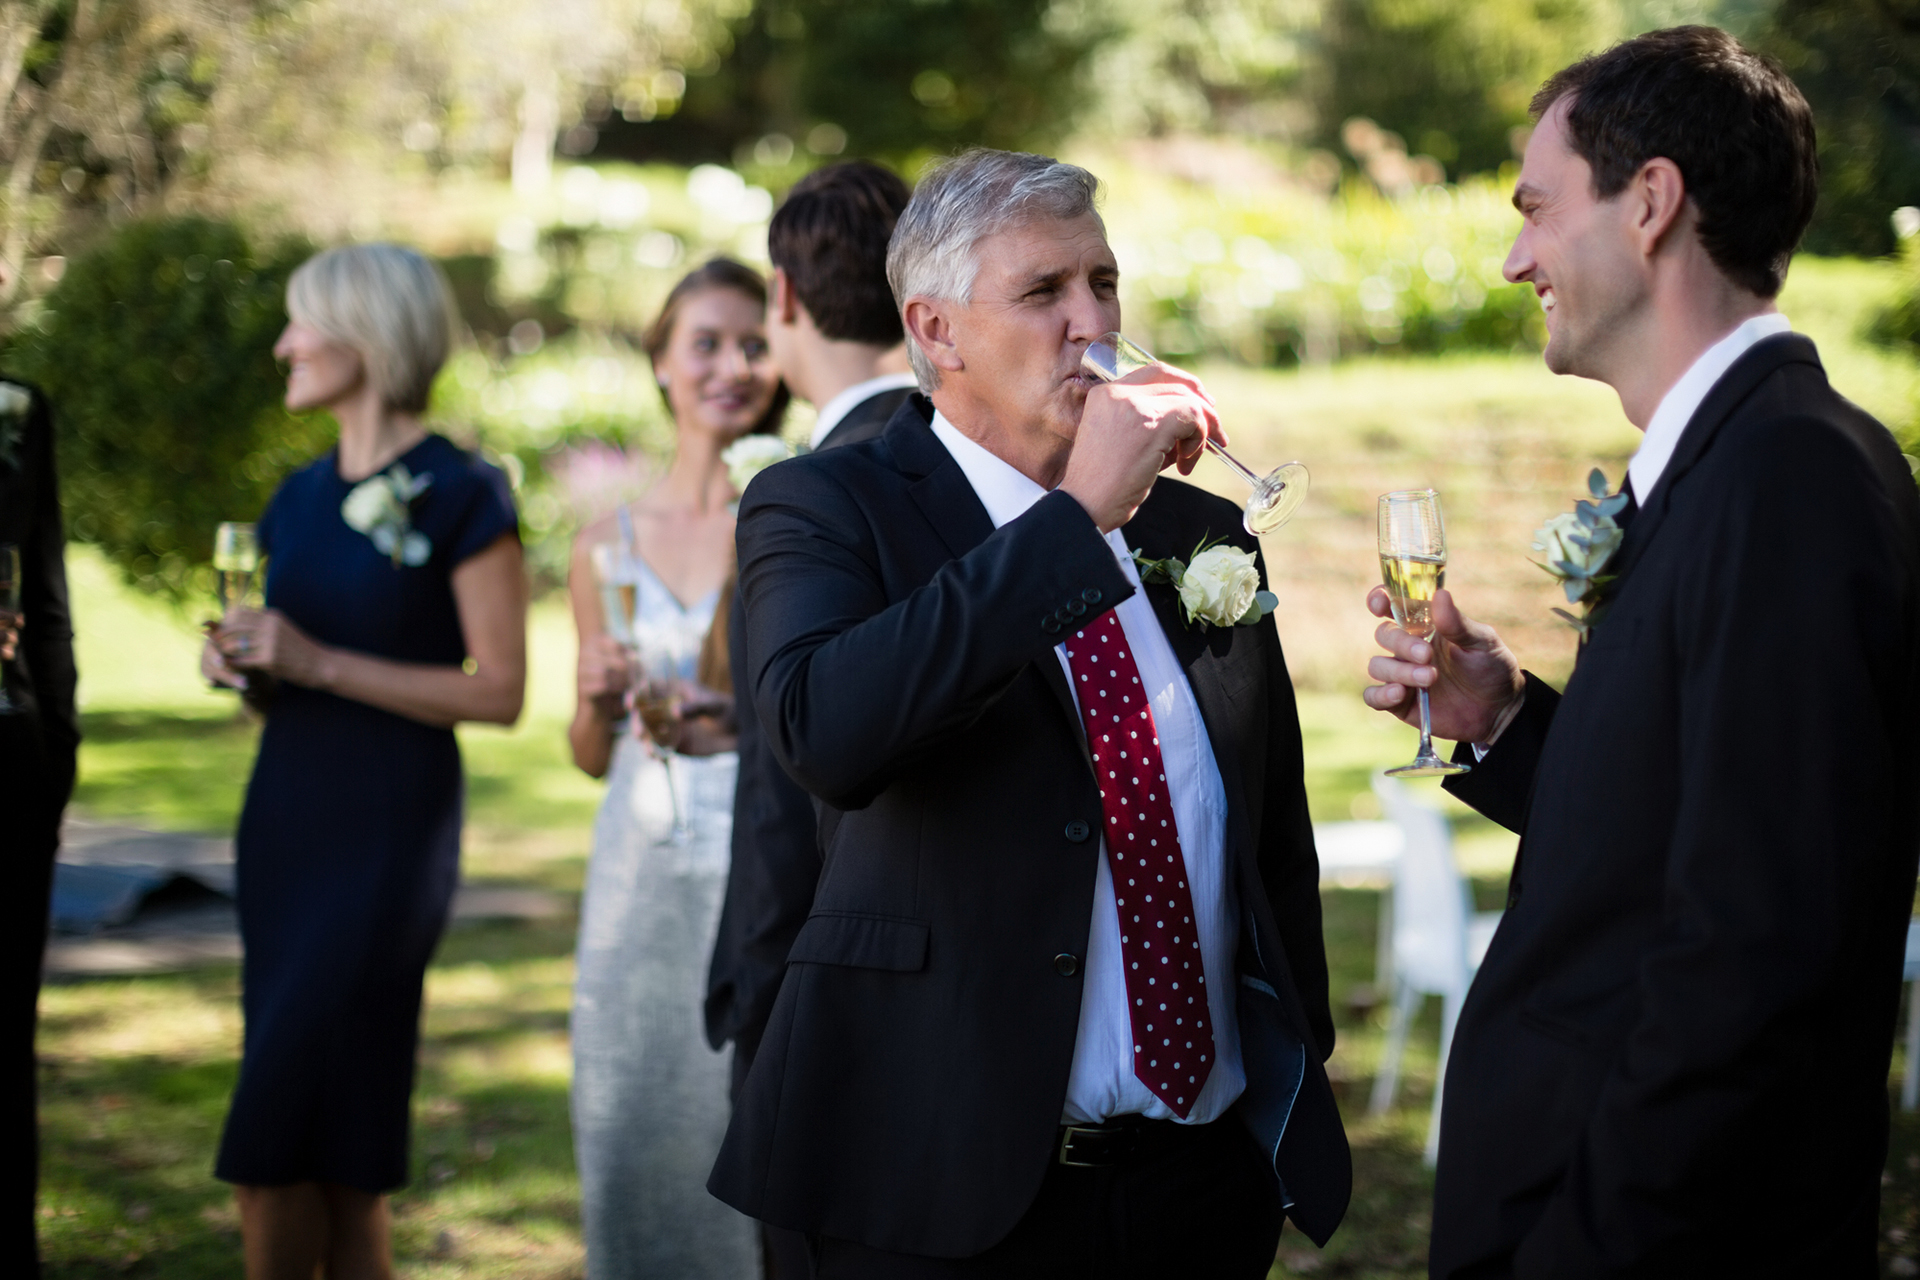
1280	494
1429	767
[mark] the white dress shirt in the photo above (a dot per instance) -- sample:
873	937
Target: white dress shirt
1683	399
1102	1083
841	405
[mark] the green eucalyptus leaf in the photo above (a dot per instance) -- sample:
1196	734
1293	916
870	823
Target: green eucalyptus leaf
1597	483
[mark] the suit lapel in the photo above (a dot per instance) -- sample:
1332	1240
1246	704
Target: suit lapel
1154	536
946	498
1735	385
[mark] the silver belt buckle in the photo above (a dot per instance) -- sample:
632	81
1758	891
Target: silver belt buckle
1065	1155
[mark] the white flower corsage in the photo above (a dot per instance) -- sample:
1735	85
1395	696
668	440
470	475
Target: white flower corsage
1578	544
1219	586
381	507
748	456
15	402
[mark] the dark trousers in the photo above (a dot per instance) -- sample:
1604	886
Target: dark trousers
31	797
1208	1208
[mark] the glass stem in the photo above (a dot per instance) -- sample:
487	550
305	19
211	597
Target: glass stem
1426	728
1235	465
680	832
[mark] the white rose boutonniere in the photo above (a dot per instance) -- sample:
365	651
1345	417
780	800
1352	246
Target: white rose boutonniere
381	506
1577	545
748	456
1218	586
15	402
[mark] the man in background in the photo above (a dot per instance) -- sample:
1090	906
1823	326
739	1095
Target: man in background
39	733
836	339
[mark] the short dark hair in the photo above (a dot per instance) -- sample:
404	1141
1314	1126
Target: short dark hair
1730	118
715	273
830	237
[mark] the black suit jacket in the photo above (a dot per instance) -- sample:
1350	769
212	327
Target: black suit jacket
41	677
1679	1041
909	1088
776	852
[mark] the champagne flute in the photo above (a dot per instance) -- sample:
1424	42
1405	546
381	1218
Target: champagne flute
1276	495
1413	564
9	615
655	702
236	558
619	604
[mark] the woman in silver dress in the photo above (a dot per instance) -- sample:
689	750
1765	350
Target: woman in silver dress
649	1096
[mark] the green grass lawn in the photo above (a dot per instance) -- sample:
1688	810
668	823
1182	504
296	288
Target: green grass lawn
137	1071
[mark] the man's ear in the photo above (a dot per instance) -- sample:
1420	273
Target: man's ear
783	304
928	322
1661	193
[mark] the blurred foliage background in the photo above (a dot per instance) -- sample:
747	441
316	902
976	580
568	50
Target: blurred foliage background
1292	182
1309	201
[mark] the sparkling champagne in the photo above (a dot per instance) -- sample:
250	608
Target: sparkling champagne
233	586
1411	582
236	558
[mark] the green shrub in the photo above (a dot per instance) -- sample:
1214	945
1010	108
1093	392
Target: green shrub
1281	275
156	351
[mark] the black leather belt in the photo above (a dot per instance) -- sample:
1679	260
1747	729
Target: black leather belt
1121	1140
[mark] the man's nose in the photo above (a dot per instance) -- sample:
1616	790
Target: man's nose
1089	316
1519	264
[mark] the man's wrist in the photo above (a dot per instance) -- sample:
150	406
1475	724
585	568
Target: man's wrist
1500	723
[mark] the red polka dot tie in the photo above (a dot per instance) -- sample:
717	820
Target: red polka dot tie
1159	943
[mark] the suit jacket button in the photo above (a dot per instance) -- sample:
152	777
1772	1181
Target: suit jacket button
1076	607
1062	615
1066	964
1078	831
1050	624
1091	595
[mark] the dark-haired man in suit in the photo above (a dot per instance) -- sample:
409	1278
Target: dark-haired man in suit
1674	1059
1060	1007
835	337
38	739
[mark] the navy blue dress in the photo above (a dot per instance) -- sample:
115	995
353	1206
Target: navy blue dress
349	844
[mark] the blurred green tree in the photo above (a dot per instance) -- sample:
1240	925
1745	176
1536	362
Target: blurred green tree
893	78
1451	77
1858	62
156	350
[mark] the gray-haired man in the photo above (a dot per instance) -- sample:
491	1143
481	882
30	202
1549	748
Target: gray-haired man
1061	1007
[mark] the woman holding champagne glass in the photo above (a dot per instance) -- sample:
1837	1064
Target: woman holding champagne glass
649	1096
395	609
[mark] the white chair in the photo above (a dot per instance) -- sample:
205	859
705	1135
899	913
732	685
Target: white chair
1910	1084
1438	941
1363	855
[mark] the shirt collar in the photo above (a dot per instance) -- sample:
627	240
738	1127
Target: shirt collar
1680	403
841	405
1003	490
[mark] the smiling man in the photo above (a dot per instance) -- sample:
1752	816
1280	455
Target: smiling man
1673	1061
1060	1008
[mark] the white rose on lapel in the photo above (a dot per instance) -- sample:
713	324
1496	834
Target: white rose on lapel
1219	586
748	456
1577	545
381	506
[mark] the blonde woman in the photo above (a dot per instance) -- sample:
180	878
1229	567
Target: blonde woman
395	609
649	1095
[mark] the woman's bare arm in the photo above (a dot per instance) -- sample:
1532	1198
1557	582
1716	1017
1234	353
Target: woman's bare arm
490	591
